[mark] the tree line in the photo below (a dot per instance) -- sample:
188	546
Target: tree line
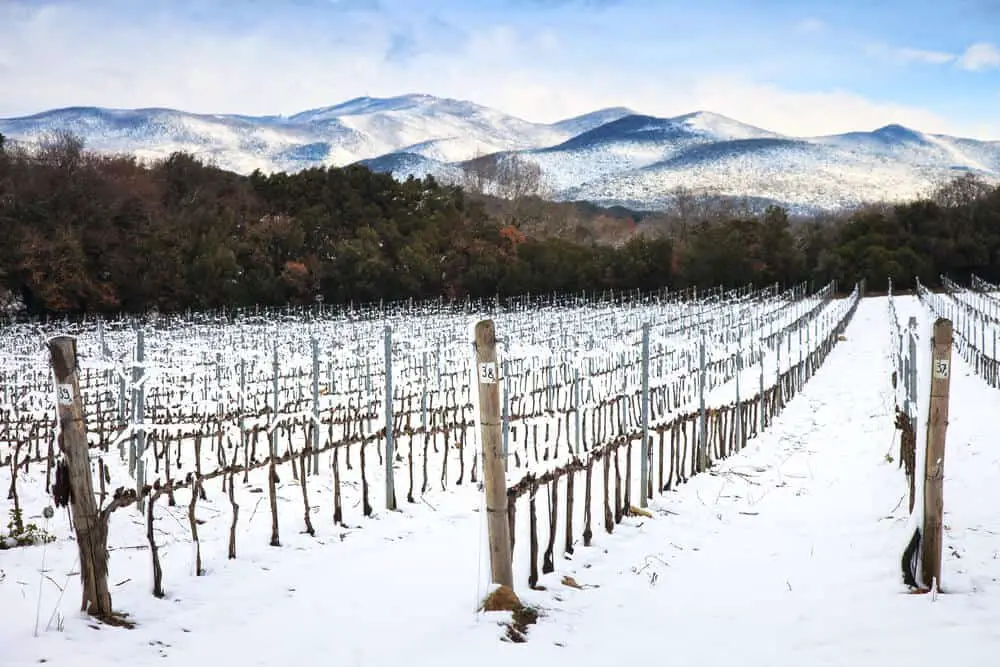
85	232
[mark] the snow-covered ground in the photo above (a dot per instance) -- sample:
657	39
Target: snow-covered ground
787	553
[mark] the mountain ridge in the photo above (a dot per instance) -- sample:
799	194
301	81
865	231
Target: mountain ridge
611	156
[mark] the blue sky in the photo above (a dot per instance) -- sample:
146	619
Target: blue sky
797	67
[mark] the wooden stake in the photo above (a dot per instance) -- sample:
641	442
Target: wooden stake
937	425
91	530
494	476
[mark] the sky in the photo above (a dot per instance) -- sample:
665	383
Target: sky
803	68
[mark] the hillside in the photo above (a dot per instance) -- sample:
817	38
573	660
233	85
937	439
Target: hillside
609	157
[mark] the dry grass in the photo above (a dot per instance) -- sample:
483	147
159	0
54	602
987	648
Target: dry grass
505	599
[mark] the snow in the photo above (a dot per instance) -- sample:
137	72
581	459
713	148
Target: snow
826	173
610	156
787	553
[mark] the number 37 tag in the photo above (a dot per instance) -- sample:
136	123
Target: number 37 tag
488	372
941	368
64	394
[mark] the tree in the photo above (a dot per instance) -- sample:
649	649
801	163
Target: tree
61	149
517	179
479	175
962	191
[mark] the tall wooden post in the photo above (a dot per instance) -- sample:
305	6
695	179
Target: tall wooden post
937	425
91	531
495	478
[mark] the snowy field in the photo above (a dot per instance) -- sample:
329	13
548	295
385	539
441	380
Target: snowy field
786	552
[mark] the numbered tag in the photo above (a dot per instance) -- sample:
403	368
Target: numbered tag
488	373
64	394
941	369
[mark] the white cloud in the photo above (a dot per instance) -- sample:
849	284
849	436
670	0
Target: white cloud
977	57
60	57
980	56
906	54
925	56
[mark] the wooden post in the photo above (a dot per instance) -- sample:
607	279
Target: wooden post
91	530
937	425
494	475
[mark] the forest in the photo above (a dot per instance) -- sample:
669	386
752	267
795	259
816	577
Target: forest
85	232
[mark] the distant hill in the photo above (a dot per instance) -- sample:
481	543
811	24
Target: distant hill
610	157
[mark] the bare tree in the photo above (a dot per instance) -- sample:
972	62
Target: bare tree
963	190
61	149
517	179
688	206
479	174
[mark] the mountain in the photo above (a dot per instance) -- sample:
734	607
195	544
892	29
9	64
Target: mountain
364	128
633	142
892	163
610	157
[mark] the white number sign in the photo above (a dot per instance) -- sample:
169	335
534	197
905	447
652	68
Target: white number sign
488	373
64	394
941	368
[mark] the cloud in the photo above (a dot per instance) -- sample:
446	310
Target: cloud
64	55
977	57
925	56
980	56
906	54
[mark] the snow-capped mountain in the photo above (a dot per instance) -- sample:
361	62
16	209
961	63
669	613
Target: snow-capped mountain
892	163
612	156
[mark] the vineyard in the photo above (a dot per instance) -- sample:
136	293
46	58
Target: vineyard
604	405
320	465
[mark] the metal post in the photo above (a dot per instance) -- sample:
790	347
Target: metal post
390	487
272	422
123	418
315	405
100	333
761	419
802	369
702	416
424	373
777	363
140	409
241	400
368	374
644	475
505	407
550	390
739	403
437	362
911	372
623	398
577	396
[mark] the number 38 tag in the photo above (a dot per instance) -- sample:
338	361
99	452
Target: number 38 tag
488	372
